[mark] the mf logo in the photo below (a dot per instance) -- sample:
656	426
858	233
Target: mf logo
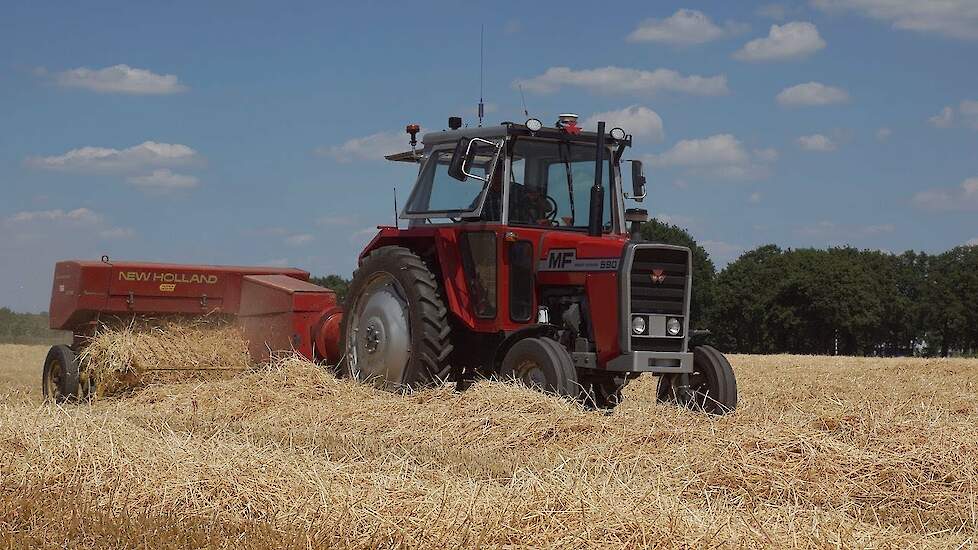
658	276
559	259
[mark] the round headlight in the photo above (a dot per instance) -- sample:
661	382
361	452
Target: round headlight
617	133
673	326
533	124
638	325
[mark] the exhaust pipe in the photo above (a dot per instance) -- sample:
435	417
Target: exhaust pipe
594	227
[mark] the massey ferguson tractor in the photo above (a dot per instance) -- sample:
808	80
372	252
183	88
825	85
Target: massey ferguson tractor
519	261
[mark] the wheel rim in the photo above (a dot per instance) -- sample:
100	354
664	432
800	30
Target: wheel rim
379	337
531	374
55	374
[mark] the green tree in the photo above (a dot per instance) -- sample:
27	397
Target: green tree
337	284
951	301
743	293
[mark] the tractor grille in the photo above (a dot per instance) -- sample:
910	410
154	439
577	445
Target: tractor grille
667	297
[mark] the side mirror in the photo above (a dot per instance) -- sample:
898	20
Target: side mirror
456	168
638	182
464	155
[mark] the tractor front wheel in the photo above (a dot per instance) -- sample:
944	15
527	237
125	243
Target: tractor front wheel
59	379
395	329
711	387
542	364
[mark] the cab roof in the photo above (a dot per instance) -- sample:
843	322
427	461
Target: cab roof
504	129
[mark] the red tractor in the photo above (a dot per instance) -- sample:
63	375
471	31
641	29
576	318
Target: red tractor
518	262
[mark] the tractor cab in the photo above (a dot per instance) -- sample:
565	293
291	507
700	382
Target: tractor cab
523	175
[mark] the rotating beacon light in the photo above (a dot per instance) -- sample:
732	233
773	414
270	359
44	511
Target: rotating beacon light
412	130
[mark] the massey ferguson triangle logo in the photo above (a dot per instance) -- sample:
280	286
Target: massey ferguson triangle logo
658	276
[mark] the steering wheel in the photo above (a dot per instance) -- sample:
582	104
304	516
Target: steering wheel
542	207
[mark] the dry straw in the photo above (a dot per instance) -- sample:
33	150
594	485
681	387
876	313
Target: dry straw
128	353
835	452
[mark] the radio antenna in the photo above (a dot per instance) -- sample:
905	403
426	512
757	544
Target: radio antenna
395	207
482	71
523	101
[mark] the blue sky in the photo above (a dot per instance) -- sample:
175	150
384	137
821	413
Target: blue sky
253	133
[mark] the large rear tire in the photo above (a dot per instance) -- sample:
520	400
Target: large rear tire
395	329
712	385
59	379
543	364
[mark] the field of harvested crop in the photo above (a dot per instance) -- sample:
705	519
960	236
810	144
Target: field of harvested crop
823	452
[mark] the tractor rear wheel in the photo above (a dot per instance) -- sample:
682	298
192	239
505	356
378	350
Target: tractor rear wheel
712	385
59	379
395	329
543	364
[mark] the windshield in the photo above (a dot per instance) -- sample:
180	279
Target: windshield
438	194
551	184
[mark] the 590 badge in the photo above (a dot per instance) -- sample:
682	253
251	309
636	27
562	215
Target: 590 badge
565	259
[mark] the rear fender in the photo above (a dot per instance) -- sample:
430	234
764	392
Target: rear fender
439	248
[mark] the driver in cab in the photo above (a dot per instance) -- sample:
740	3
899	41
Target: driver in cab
526	207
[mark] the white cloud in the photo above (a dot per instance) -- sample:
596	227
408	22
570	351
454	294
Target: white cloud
78	215
792	40
943	119
972	242
619	80
964	197
811	94
766	155
883	134
101	159
298	239
636	119
683	28
967	112
754	198
715	150
114	233
772	11
721	156
121	79
817	142
372	147
163	180
951	18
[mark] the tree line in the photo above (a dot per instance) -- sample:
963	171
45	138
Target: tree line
839	300
28	328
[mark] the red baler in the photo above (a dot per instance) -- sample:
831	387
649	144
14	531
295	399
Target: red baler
278	309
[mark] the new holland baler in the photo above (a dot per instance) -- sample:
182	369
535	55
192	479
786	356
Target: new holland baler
278	309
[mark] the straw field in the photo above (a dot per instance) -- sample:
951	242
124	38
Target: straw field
823	452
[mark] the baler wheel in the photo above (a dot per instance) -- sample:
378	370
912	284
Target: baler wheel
59	379
395	330
712	385
543	364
